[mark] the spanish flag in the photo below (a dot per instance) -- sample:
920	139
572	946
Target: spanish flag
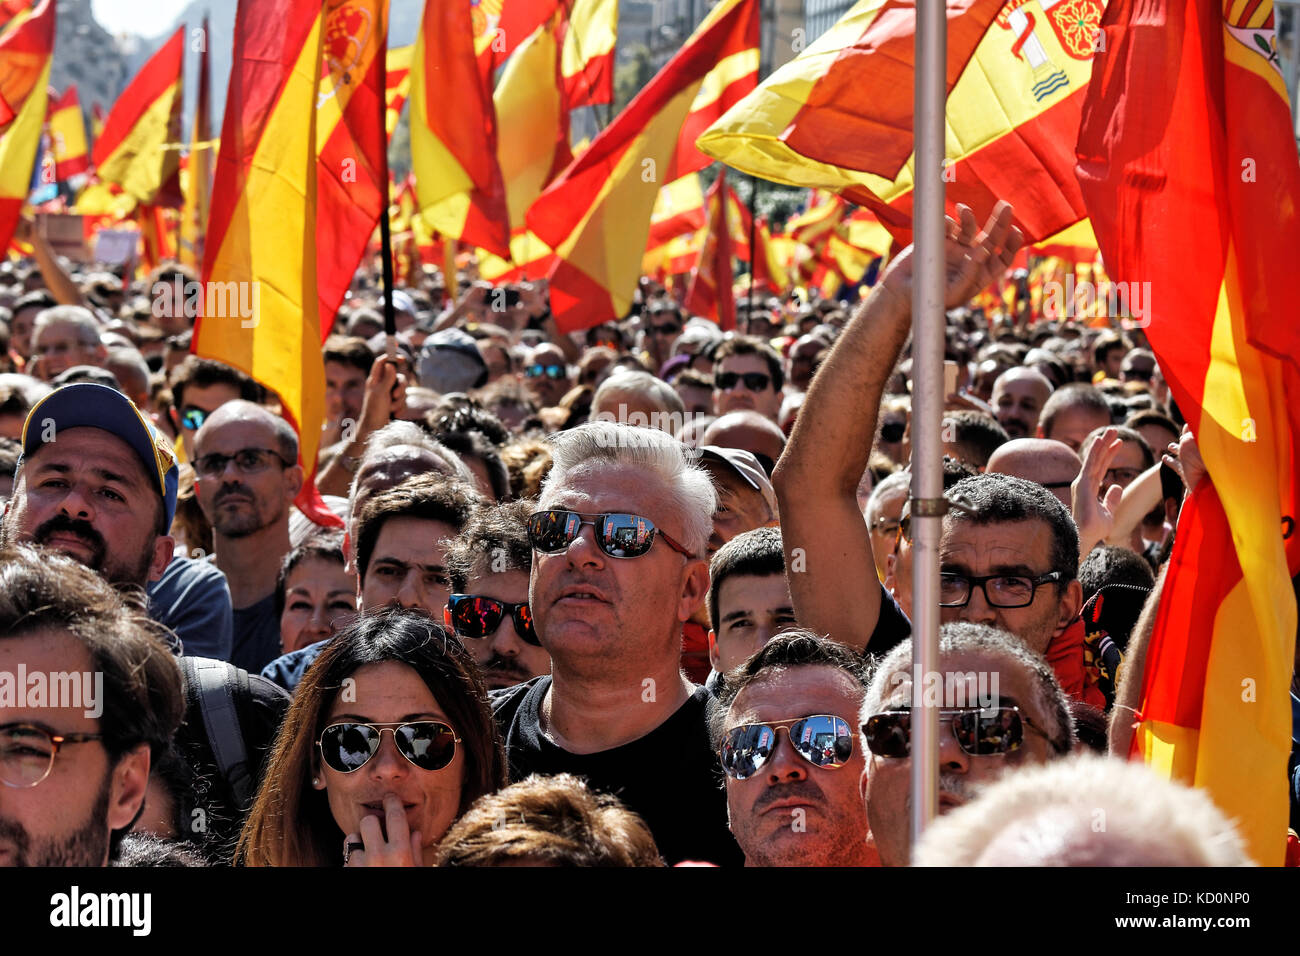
454	131
709	293
198	167
352	167
596	215
136	149
25	53
678	209
68	136
1188	164
587	64
397	85
839	115
262	228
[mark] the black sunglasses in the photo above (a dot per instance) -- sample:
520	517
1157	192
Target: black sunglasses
347	747
825	741
617	535
550	371
991	732
477	616
754	381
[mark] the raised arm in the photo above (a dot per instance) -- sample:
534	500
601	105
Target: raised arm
829	562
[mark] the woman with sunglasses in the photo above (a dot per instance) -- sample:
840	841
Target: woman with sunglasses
388	740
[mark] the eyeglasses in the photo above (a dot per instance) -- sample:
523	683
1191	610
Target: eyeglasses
892	432
1120	476
248	461
882	524
550	371
192	418
1000	590
754	381
825	741
427	744
27	753
617	535
476	616
991	732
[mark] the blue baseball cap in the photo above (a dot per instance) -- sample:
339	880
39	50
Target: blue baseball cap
86	405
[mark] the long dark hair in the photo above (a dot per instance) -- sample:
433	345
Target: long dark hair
290	823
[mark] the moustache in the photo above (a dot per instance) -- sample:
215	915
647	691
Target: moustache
62	524
230	491
803	789
505	668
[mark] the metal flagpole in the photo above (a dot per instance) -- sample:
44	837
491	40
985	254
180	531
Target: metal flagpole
928	232
385	233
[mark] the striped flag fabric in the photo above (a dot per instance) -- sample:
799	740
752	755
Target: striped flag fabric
25	53
1187	161
839	115
587	57
454	131
596	215
261	245
678	209
68	136
397	86
351	144
130	151
709	293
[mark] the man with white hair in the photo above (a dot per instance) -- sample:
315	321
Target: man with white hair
638	398
62	337
1087	811
619	539
1001	708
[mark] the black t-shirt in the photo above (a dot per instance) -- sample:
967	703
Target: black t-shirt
892	627
670	776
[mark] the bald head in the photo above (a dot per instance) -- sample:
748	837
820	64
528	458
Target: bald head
749	430
242	412
1019	395
1052	464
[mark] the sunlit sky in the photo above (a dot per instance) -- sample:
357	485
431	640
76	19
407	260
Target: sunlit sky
145	17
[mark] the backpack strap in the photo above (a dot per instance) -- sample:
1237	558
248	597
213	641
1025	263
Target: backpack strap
214	682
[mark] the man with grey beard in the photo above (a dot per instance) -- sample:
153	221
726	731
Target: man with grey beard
1001	708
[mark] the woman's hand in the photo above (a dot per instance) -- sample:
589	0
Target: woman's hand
400	848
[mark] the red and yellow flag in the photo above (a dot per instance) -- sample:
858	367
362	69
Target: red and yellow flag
68	136
454	131
590	33
133	151
839	115
678	209
352	166
25	53
709	293
198	167
261	248
97	117
397	85
596	215
1189	167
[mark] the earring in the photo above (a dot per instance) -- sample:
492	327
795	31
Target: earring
315	781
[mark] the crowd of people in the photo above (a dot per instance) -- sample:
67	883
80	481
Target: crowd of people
633	596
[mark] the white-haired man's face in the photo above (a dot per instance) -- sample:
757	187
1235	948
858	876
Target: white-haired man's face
886	783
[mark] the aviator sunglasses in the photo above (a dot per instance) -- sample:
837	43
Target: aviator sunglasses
991	732
618	535
825	741
347	746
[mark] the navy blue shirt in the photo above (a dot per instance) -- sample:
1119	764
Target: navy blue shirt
287	669
193	599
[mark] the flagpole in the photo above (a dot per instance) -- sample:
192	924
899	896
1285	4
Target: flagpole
753	258
385	233
927	503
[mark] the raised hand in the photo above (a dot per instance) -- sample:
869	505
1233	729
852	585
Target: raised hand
972	258
1095	518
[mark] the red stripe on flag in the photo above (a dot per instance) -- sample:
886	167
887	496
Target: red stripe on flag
154	79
